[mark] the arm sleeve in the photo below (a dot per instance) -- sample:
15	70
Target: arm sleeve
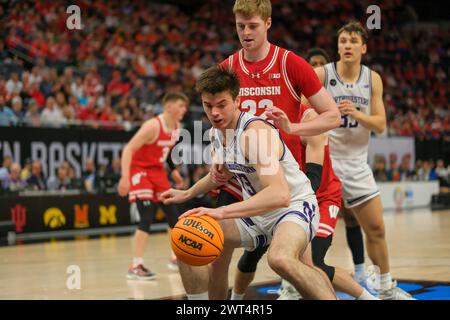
302	76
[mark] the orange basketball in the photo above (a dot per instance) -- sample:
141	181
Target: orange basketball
197	241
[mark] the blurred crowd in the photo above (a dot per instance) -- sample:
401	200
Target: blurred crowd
423	170
14	178
128	54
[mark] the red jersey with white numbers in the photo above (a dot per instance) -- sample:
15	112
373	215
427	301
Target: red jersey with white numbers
155	154
279	79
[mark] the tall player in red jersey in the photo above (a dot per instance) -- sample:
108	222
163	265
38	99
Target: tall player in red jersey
271	75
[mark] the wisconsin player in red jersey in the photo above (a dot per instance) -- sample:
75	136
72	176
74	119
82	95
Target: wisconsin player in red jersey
144	176
271	75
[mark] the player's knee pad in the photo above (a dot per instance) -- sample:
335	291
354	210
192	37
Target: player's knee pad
249	260
147	210
172	213
319	250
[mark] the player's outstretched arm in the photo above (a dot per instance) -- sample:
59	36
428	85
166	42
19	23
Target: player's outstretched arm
146	134
310	82
328	119
262	144
202	186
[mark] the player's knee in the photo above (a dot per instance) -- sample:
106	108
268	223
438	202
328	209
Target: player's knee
249	260
375	231
145	223
146	212
280	263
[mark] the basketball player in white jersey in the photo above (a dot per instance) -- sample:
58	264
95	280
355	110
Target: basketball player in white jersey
358	91
254	152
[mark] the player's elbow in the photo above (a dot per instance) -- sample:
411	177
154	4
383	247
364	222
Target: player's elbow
381	127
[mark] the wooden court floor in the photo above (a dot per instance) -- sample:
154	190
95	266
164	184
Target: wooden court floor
419	243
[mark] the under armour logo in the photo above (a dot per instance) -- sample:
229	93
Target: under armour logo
256	75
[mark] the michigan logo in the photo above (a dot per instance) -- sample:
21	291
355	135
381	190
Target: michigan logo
54	218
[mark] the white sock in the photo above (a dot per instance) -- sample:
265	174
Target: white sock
236	296
385	281
198	296
366	296
137	261
360	270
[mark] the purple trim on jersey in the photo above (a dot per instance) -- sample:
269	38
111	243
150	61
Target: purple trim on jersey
248	221
302	216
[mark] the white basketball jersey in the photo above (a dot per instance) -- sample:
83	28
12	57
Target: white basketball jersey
245	172
351	139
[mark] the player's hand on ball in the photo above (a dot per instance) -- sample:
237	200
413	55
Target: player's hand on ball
173	196
217	213
123	187
279	117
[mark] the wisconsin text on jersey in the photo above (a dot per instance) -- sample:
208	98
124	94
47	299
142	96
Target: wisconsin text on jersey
260	91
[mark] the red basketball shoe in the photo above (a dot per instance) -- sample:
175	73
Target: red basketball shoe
140	273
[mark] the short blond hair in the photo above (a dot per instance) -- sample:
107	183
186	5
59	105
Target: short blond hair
248	8
174	97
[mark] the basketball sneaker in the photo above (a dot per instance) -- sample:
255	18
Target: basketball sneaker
140	273
173	264
394	293
374	287
288	292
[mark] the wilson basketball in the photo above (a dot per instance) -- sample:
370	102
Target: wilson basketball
197	241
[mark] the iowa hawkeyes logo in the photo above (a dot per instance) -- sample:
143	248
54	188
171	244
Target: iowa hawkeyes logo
54	218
